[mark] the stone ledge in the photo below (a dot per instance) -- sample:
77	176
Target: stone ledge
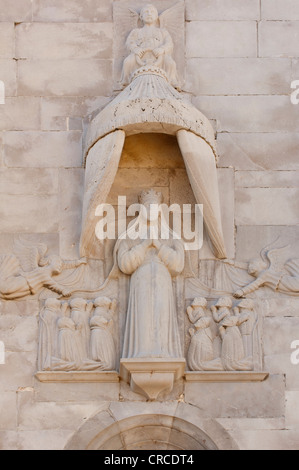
251	376
77	376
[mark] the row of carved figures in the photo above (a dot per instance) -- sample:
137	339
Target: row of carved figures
235	328
77	335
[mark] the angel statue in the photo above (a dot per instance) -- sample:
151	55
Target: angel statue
271	271
35	272
150	45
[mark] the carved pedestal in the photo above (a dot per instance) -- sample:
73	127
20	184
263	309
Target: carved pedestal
151	376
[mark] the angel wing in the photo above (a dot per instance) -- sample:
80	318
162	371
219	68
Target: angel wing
277	258
125	20
172	20
29	255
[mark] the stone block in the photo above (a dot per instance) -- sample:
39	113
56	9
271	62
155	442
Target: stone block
76	392
280	10
238	400
35	416
21	308
54	439
280	307
266	440
16	11
227	205
71	183
251	76
18	370
267	179
292	410
252	424
279	333
8	411
221	39
258	151
210	10
8	75
62	41
7	41
250	113
267	206
72	11
1	150
64	77
281	364
20	113
19	334
250	240
7	241
29	213
56	112
8	440
43	149
278	38
28	181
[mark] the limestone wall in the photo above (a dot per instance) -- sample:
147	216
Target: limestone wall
56	61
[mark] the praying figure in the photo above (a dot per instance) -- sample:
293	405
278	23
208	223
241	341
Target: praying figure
201	352
102	347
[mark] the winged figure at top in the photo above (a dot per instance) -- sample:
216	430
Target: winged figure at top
150	45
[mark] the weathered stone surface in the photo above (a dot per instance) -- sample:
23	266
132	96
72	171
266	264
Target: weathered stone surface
8	411
21	113
56	112
250	113
278	38
280	10
64	78
28	181
280	307
266	440
257	151
267	206
50	415
292	412
279	334
221	39
281	364
55	439
252	423
29	213
238	76
71	183
68	41
43	149
7	41
267	179
19	334
76	392
8	74
222	10
72	10
7	241
227	204
16	11
239	399
18	370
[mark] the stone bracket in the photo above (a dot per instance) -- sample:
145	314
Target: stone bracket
151	376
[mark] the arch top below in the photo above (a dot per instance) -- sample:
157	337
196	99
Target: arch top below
149	105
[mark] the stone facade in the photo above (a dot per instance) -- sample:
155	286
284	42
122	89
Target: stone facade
57	64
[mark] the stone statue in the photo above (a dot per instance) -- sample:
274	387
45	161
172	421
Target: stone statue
151	326
37	271
102	347
48	341
271	272
232	352
149	46
245	309
68	345
201	353
80	311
